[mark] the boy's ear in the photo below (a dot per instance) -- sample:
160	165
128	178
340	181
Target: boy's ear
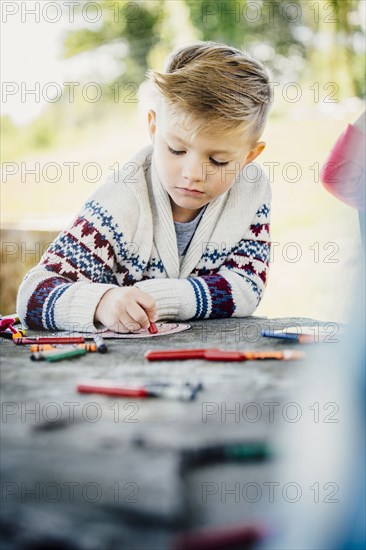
255	152
151	123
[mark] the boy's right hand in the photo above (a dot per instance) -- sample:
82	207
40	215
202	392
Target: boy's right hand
126	309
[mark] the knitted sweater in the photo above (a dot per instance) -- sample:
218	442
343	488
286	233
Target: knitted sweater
124	235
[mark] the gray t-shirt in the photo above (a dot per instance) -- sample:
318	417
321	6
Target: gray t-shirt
185	232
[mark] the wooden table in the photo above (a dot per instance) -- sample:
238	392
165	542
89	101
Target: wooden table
74	471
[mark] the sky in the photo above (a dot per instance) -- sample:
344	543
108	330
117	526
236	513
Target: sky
30	53
31	56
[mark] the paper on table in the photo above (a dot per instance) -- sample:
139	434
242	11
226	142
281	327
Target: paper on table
164	329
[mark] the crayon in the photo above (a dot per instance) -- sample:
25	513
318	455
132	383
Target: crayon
17	335
9	320
217	538
249	451
10	335
66	354
172	354
300	338
222	355
116	391
42	355
101	347
42	347
285	355
50	340
6	335
183	392
49	347
153	329
7	325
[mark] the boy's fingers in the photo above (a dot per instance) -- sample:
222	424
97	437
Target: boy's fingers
152	315
127	324
138	314
151	312
145	300
130	323
118	326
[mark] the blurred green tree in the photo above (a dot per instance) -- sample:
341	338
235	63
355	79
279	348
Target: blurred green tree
281	34
134	25
318	41
246	23
337	49
327	34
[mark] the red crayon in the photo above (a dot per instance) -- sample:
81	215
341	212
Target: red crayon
216	538
176	354
117	391
215	354
50	340
153	329
185	392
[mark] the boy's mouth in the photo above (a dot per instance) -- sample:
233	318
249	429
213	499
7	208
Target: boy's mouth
192	192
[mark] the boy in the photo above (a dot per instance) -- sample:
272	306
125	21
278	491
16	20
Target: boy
184	232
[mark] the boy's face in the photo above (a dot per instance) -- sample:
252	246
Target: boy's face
196	171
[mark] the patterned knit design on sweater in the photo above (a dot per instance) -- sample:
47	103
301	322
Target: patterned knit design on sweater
249	259
40	310
112	243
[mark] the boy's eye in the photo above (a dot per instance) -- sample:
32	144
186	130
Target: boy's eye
174	152
215	162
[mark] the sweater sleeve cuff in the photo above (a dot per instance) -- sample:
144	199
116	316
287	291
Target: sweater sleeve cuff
174	298
80	306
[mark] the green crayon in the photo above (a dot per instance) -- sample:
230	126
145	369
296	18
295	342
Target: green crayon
67	354
251	451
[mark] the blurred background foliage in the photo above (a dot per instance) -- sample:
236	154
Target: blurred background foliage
299	41
318	45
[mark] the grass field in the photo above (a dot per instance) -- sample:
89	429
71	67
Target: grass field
316	248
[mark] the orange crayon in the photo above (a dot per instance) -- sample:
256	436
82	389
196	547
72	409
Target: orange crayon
91	347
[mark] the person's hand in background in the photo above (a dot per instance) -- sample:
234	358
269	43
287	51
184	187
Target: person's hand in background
343	173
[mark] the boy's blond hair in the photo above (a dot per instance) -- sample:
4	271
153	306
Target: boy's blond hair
211	86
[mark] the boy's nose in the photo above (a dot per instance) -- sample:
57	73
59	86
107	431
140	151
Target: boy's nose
193	171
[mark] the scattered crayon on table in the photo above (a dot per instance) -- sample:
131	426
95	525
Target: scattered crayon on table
49	347
222	355
6	324
183	392
7	335
58	354
50	340
299	338
101	346
247	451
216	538
13	316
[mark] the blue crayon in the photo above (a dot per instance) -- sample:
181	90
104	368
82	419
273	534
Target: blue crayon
272	334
